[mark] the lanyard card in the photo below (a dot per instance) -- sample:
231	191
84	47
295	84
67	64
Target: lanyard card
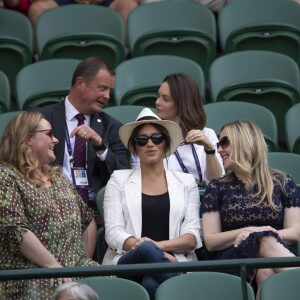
80	178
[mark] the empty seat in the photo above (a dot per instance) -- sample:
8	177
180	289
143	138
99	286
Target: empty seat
292	128
220	113
124	113
44	82
5	118
80	31
4	93
266	78
204	286
286	162
113	288
15	43
177	28
272	25
281	286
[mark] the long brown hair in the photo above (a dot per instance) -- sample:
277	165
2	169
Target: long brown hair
15	152
185	92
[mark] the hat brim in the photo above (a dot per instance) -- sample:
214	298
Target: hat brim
173	129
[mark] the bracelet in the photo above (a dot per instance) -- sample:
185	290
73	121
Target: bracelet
210	152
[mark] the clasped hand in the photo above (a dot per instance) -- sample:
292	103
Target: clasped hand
139	241
246	232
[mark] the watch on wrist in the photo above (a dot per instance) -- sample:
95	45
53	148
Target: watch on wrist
102	146
210	152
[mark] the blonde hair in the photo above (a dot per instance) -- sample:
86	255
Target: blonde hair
15	152
251	156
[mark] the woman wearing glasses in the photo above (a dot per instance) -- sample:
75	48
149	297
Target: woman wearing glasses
43	221
253	211
179	100
151	214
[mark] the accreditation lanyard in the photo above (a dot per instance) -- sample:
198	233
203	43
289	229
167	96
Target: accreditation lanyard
184	168
69	148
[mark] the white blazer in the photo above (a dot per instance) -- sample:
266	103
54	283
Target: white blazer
123	211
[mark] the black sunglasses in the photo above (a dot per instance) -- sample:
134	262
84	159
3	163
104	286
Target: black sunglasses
156	138
224	142
49	133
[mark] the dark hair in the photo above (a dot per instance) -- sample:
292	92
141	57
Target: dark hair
90	67
185	92
131	142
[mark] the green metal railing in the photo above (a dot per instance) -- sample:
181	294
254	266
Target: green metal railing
206	265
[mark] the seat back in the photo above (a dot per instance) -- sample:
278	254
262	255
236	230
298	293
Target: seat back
124	113
287	162
220	113
292	128
137	80
15	43
261	77
281	285
112	288
80	31
204	285
44	82
5	118
101	245
177	28
272	25
4	93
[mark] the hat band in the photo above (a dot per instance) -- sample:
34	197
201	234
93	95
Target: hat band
148	118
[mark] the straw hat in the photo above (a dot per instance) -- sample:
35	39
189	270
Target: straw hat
147	116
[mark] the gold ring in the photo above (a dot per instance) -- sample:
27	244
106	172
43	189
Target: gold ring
84	133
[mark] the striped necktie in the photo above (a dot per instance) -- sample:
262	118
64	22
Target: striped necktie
80	156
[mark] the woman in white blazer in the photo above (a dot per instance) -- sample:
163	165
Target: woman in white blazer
151	214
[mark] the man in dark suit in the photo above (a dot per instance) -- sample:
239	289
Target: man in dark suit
92	83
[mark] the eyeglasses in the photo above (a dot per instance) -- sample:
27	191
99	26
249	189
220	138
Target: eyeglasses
49	133
156	138
224	142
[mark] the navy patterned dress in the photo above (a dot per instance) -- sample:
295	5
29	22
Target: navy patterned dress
238	208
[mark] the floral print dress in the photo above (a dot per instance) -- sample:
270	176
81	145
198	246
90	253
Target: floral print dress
56	215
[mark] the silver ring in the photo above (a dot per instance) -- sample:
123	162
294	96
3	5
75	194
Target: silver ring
84	133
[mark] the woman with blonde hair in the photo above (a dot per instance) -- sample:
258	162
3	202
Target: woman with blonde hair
254	210
43	221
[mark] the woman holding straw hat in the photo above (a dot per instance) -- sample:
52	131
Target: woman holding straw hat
151	214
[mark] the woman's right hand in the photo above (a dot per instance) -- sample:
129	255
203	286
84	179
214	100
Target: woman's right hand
246	231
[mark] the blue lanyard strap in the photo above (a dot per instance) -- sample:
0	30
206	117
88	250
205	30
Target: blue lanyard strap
184	168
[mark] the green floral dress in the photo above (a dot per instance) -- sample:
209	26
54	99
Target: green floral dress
56	215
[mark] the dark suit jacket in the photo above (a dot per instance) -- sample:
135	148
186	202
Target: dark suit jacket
106	126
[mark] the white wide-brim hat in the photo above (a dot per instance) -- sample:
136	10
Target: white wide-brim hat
147	116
